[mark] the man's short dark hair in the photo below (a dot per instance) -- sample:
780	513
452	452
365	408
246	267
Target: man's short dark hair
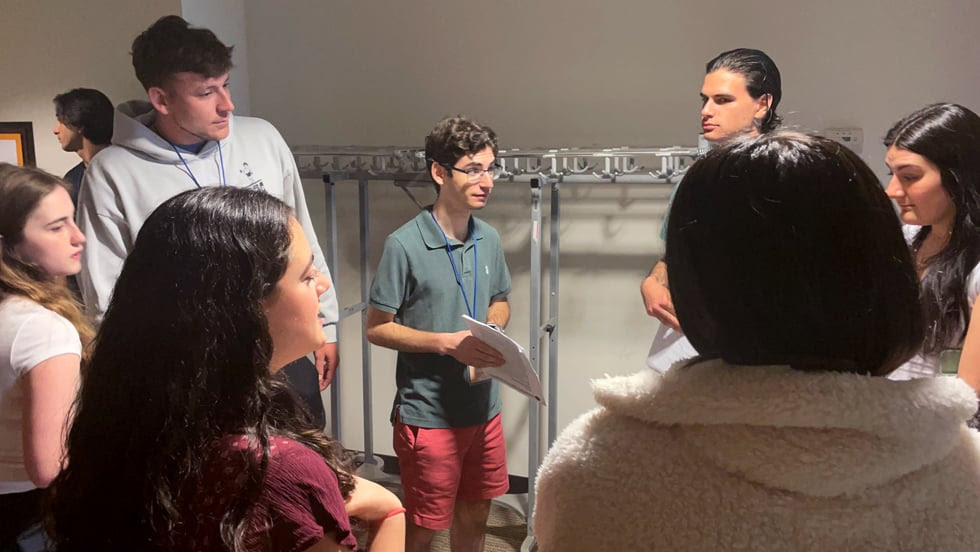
172	46
86	111
454	137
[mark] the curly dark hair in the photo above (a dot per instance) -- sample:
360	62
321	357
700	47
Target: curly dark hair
180	362
172	46
454	137
948	135
761	77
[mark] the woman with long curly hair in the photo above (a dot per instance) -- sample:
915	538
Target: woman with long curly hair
185	435
934	157
42	332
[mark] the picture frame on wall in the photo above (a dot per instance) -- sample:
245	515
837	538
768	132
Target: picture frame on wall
17	144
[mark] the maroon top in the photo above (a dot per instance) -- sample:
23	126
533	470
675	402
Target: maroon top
299	506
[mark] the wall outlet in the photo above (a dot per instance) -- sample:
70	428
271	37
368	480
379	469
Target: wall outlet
850	137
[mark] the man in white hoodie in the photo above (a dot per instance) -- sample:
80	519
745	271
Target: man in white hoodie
183	138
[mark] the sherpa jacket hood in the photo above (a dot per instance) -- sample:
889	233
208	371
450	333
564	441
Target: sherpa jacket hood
719	457
751	421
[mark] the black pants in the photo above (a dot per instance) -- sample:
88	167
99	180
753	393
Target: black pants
303	379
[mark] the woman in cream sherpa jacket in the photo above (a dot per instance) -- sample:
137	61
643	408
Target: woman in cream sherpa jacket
791	278
721	457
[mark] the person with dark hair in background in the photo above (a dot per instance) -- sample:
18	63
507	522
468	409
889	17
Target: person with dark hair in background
186	138
185	435
934	160
441	265
84	126
792	280
42	337
742	89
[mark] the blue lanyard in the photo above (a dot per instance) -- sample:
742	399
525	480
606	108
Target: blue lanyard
221	158
459	280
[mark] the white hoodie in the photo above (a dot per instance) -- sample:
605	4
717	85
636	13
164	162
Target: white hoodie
140	170
721	457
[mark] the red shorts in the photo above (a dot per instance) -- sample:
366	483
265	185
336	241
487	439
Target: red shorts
442	464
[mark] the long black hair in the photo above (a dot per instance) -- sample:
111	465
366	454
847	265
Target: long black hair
948	135
181	361
784	249
761	77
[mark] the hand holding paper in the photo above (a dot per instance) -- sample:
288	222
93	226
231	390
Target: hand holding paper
516	370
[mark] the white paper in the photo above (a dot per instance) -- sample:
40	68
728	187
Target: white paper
669	346
516	371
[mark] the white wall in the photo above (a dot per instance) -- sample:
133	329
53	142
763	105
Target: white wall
542	73
48	47
226	18
579	73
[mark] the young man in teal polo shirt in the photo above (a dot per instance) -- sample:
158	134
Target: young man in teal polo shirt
443	264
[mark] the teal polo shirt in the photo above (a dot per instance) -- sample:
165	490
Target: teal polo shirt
415	282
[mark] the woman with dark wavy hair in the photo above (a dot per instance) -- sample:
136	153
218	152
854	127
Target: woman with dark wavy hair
42	333
185	437
934	159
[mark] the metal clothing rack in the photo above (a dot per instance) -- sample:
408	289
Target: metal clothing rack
542	169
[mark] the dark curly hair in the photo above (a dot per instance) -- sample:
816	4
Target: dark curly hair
948	135
180	362
172	46
454	137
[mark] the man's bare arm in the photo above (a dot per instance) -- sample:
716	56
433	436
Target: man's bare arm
499	313
656	296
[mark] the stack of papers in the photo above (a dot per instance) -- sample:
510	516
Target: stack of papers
669	346
516	371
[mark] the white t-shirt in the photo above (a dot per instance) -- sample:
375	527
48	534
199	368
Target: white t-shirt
924	365
29	335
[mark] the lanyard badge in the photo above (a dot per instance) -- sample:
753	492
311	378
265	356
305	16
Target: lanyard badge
470	310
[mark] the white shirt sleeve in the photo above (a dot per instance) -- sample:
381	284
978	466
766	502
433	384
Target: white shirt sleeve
973	285
42	335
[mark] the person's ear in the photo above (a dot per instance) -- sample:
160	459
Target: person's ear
438	173
159	100
764	102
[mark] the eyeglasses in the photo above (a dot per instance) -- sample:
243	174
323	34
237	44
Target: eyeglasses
475	174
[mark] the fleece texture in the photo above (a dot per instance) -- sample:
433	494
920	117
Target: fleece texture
719	457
